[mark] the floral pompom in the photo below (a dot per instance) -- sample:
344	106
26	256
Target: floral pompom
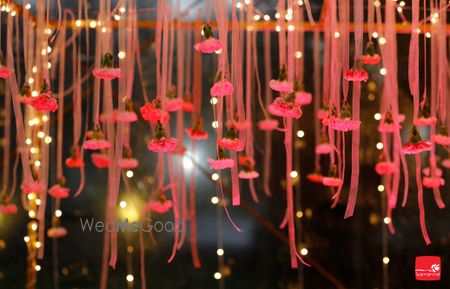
389	124
427	172
58	191
425	118
385	168
128	115
415	144
96	140
442	138
25	94
153	112
45	101
301	97
285	106
75	160
370	58
172	102
209	44
33	187
323	148
100	160
160	206
107	70
56	232
180	150
344	122
161	143
248	171
433	182
222	162
315	177
332	180
323	113
446	162
221	88
197	132
231	141
356	73
127	161
238	123
268	124
281	84
7	208
5	72
188	106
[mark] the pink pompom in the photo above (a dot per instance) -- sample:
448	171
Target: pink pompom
230	144
281	85
370	59
208	45
425	121
153	113
128	163
284	108
315	178
8	209
433	182
427	172
415	148
197	134
446	163
303	98
96	144
125	116
331	182
344	124
162	145
74	162
56	232
384	168
33	187
5	72
58	192
159	206
323	114
323	149
268	124
107	73
220	164
244	174
44	102
356	75
26	99
221	88
100	160
175	104
188	106
442	140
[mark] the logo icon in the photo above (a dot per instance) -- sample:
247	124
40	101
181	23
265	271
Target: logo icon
428	268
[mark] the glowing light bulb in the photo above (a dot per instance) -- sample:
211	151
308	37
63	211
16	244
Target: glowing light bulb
187	163
123	204
121	54
266	17
122	10
377	116
48	139
238	5
300	133
92	23
383	71
304	251
214	100
130	278
78	23
215	200
220	252
380	145
28	6
428	35
38	245
58	213
26	239
291	27
217	275
117	17
387	220
277	15
37	267
37	163
382	41
215	124
375	35
215	176
278	28
337	34
256	17
386	260
298	54
293	174
129	174
28	141
40	134
380	188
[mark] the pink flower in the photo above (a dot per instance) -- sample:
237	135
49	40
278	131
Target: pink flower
315	177
175	104
303	98
33	187
5	72
188	106
427	172
8	209
220	164
56	232
161	143
153	112
106	117
107	70
285	107
196	133
281	86
323	113
415	144
323	149
75	160
370	59
331	181
221	88
179	150
208	44
425	121
231	144
385	168
238	124
247	172
446	163
126	116
433	182
345	124
44	102
243	174
96	140
356	73
442	138
268	124
26	99
159	206
389	124
100	160
128	163
58	192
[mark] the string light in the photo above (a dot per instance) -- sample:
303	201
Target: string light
278	28
238	5
215	176
300	2
215	124
28	6
387	220
300	133
337	34
130	278
37	163
78	23
117	17
103	29
377	116
298	54
304	251
220	252
38	244
382	41
93	24
122	10
217	275
38	202
380	145
277	15
58	213
375	35
266	17
214	100
256	17
28	141
291	27
123	204
48	139
299	214
386	260
34	226
383	71
37	267
247	2
13	13
380	188
121	54
428	35
293	174
40	134
44	118
26	239
215	200
129	174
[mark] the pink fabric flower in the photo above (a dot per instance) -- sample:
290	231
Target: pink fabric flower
285	107
129	163
188	106
243	174
33	187
220	164
442	138
161	143
389	124
44	102
107	70
268	124
5	72
344	124
331	181
100	160
415	144
196	133
425	121
56	232
208	44
315	177
323	149
231	144
433	182
175	104
221	88
385	168
126	116
160	206
303	98
323	113
281	86
152	112
356	73
58	192
8	209
370	59
247	172
446	163
96	140
75	160
427	172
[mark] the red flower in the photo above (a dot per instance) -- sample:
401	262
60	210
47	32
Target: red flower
285	107
8	209
161	143
153	112
371	59
323	149
58	192
197	131
315	177
221	88
96	140
433	182
100	160
75	160
331	181
356	73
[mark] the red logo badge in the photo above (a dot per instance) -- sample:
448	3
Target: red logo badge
428	268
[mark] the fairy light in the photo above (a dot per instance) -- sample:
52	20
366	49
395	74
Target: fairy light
428	35
58	213
13	13
38	202
129	174
26	239
7	9
278	28
387	220
215	200
377	3
44	118
123	204
93	24
78	23
34	93
43	51
399	9
380	188
375	35
122	10
299	214
33	150
217	276
48	139
49	65
28	141
291	27
30	80
41	134
121	54
382	41
48	31
215	176
402	3
31	196
103	29
257	17
215	124
28	6
288	17
293	174
247	2
37	244
117	17
214	100
385	260
300	133
220	252
220	50
266	17
130	278
298	54
277	15
418	30
337	34
37	163
289	11
300	2
34	226
383	71
37	267
380	145
238	5
377	116
304	251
